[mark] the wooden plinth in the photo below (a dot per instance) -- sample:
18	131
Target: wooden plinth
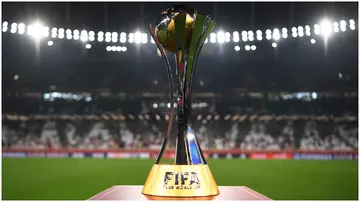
134	193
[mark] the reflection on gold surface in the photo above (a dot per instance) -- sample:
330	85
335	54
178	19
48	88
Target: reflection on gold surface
165	27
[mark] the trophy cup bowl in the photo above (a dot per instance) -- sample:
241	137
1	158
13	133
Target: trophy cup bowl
182	31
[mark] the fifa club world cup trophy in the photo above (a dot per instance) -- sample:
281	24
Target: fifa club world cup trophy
181	31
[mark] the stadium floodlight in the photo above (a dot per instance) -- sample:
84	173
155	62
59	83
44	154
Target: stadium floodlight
342	23
21	28
268	32
247	47
131	38
84	37
107	34
124	49
114	35
122	34
114	39
236	33
53	35
155	105
307	27
307	32
46	31
343	29
294	29
91	38
100	39
312	41
253	47
301	33
30	30
123	39
5	24
13	30
107	39
259	37
274	45
61	31
236	39
352	27
108	48
83	32
69	36
244	33
91	33
352	22
294	34
100	33
316	29
14	25
212	39
258	32
284	30
144	38
244	38
227	37
336	26
4	29
54	30
68	31
251	38
113	48
276	34
284	35
38	30
237	48
76	32
118	48
61	36
50	43
325	28
76	37
88	46
137	37
268	36
220	37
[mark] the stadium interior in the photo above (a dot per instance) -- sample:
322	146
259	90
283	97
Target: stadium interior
272	78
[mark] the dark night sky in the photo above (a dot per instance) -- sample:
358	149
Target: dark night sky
296	64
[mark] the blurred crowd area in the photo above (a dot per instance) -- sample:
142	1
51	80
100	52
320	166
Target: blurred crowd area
214	134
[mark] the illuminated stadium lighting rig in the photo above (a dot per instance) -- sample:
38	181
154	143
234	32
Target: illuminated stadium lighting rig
116	48
38	31
199	117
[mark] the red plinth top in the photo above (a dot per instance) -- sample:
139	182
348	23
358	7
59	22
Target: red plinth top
134	193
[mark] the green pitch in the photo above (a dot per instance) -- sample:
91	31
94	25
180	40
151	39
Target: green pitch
82	178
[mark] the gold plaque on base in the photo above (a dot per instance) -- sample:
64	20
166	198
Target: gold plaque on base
180	182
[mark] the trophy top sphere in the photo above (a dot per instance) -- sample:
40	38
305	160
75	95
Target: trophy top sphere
165	27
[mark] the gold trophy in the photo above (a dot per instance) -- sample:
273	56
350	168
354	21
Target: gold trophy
182	31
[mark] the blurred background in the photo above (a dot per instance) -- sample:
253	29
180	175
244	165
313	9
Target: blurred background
274	81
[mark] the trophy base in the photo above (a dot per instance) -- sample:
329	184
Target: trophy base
180	181
133	193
